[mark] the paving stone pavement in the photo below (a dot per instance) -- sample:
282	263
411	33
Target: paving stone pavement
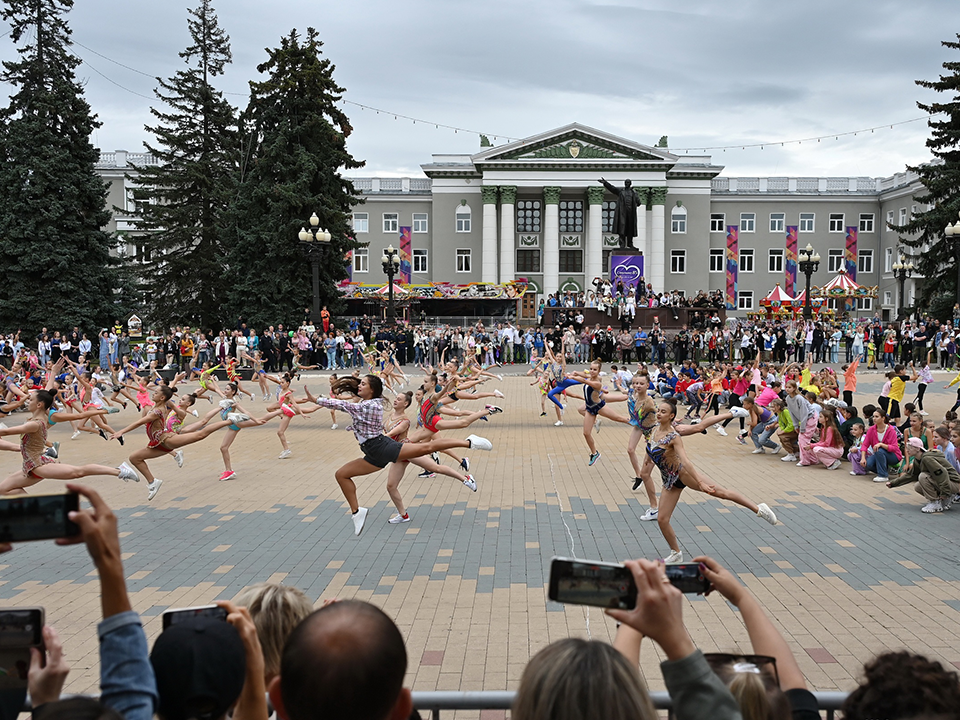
853	568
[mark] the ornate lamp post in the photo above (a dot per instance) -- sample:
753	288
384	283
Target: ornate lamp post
314	243
901	271
808	261
954	231
391	265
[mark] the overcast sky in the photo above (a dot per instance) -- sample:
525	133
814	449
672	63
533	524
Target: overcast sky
703	73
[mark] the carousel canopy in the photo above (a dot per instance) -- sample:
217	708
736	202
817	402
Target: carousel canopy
815	302
777	298
397	289
842	286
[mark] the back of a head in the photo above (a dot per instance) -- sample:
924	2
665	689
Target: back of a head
757	694
345	660
901	685
576	679
276	610
76	708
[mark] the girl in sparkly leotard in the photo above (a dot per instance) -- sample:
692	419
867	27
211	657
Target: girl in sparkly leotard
665	450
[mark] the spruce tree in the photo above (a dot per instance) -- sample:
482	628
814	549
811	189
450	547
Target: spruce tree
192	184
295	148
937	256
57	268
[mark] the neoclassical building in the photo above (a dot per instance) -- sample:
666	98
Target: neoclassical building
535	209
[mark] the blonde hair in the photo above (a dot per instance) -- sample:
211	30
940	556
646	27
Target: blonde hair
276	610
757	694
575	679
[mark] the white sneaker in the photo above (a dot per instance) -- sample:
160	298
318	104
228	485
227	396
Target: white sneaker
739	412
358	518
178	456
800	464
924	413
195	413
76	434
237	418
558	423
758	451
764	511
881	479
834	465
153	488
497	393
479	443
720	430
789	458
675	557
853	473
127	473
934	507
650	514
775	450
285	454
471	483
334	426
396	519
435	457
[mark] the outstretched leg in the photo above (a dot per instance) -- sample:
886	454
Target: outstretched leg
668	501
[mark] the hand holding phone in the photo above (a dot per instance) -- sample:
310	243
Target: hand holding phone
48	671
178	615
38	517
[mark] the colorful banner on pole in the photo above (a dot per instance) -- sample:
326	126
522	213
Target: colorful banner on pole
850	263
790	266
348	257
628	268
733	265
405	255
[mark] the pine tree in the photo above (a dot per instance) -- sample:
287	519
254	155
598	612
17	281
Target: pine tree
296	146
937	256
56	258
192	184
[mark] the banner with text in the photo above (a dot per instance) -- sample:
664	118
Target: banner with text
733	265
790	266
850	263
628	268
405	255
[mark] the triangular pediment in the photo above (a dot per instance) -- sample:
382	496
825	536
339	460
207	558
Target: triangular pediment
574	143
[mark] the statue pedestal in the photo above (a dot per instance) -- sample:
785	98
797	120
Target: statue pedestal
626	264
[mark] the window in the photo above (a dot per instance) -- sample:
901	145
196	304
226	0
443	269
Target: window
834	260
775	261
866	222
678	221
571	261
606	260
777	221
391	223
748	222
528	216
716	260
888	260
836	222
865	261
745	300
678	261
717	221
463	260
807	222
420	222
864	303
746	260
528	260
913	212
571	216
889	218
361	222
420	258
609	208
463	222
888	298
903	216
361	260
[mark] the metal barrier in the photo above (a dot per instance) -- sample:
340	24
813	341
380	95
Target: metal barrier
436	702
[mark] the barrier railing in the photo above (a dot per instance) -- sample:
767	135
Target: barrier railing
437	702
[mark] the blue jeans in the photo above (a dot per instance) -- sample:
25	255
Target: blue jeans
331	359
761	436
878	462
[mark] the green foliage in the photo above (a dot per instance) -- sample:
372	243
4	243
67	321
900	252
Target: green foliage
939	262
294	148
56	259
192	185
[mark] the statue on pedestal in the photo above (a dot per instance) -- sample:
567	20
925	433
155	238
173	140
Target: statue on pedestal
625	216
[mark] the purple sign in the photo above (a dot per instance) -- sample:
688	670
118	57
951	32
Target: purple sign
628	268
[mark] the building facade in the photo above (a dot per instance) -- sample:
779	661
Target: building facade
535	209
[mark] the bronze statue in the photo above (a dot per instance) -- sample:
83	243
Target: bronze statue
625	216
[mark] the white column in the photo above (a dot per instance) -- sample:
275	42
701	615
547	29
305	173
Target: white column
658	197
488	263
641	241
551	240
594	264
508	232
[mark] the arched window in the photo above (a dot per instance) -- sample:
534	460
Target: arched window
678	220
463	219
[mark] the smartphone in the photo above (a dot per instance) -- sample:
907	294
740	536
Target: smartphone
176	615
20	630
37	517
611	585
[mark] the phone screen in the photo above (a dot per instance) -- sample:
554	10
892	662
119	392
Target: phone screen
582	582
37	517
687	578
20	629
176	615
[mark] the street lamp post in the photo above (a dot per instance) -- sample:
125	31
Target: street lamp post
954	231
314	243
808	260
391	265
901	271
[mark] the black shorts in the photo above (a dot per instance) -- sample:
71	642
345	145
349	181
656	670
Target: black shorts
381	450
894	411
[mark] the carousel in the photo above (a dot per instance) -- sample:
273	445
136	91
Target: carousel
842	287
